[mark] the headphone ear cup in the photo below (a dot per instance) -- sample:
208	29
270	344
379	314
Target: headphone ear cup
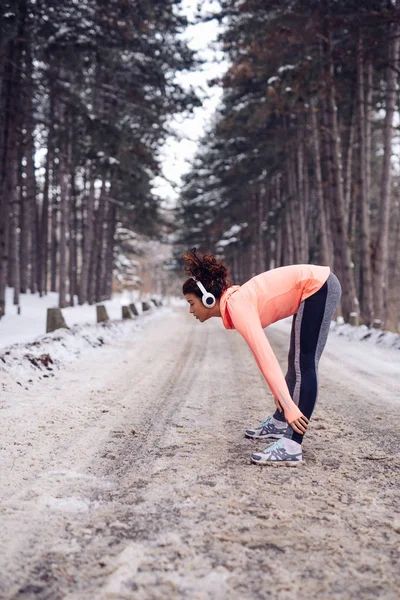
208	300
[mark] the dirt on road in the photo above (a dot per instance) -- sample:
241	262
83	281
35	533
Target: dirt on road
127	476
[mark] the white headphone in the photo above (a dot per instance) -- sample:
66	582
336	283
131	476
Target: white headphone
207	299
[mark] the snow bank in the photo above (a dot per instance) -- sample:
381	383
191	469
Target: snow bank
386	339
31	322
26	363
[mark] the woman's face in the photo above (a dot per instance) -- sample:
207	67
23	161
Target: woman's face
197	308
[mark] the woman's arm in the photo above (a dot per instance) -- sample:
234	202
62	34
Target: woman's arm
247	322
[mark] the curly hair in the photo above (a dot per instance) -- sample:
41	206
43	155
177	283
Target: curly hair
206	268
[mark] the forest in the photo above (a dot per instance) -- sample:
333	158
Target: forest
87	89
299	164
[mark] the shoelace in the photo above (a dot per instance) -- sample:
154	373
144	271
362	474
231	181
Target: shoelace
273	446
264	423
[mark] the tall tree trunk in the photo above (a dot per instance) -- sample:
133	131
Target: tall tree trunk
5	123
108	273
293	209
260	196
278	248
235	264
15	238
307	207
88	239
301	199
54	231
278	224
365	256
288	236
73	236
394	263
368	122
63	184
97	244
45	216
349	159
100	257
381	254
31	205
24	223
328	187
8	153
252	212
349	299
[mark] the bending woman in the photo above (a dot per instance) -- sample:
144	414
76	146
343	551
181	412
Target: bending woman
308	292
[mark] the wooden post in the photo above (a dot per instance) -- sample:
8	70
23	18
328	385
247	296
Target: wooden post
134	310
55	320
377	324
126	312
145	306
155	302
354	319
101	313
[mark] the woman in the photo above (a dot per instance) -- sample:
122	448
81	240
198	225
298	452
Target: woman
308	292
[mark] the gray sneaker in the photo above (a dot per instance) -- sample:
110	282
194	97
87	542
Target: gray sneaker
265	430
276	455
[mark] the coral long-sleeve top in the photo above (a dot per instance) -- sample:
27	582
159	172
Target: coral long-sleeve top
263	300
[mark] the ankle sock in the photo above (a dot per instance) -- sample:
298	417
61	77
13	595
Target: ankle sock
281	424
291	446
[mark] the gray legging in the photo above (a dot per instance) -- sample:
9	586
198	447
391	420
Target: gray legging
308	337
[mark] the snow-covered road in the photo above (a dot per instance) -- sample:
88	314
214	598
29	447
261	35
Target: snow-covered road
127	476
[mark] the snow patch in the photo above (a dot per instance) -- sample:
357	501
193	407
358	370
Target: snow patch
286	68
26	363
386	339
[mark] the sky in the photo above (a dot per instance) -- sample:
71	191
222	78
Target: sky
178	151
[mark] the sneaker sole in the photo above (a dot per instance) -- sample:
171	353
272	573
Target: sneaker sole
278	463
272	436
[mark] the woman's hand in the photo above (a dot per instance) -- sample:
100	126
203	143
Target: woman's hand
300	425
